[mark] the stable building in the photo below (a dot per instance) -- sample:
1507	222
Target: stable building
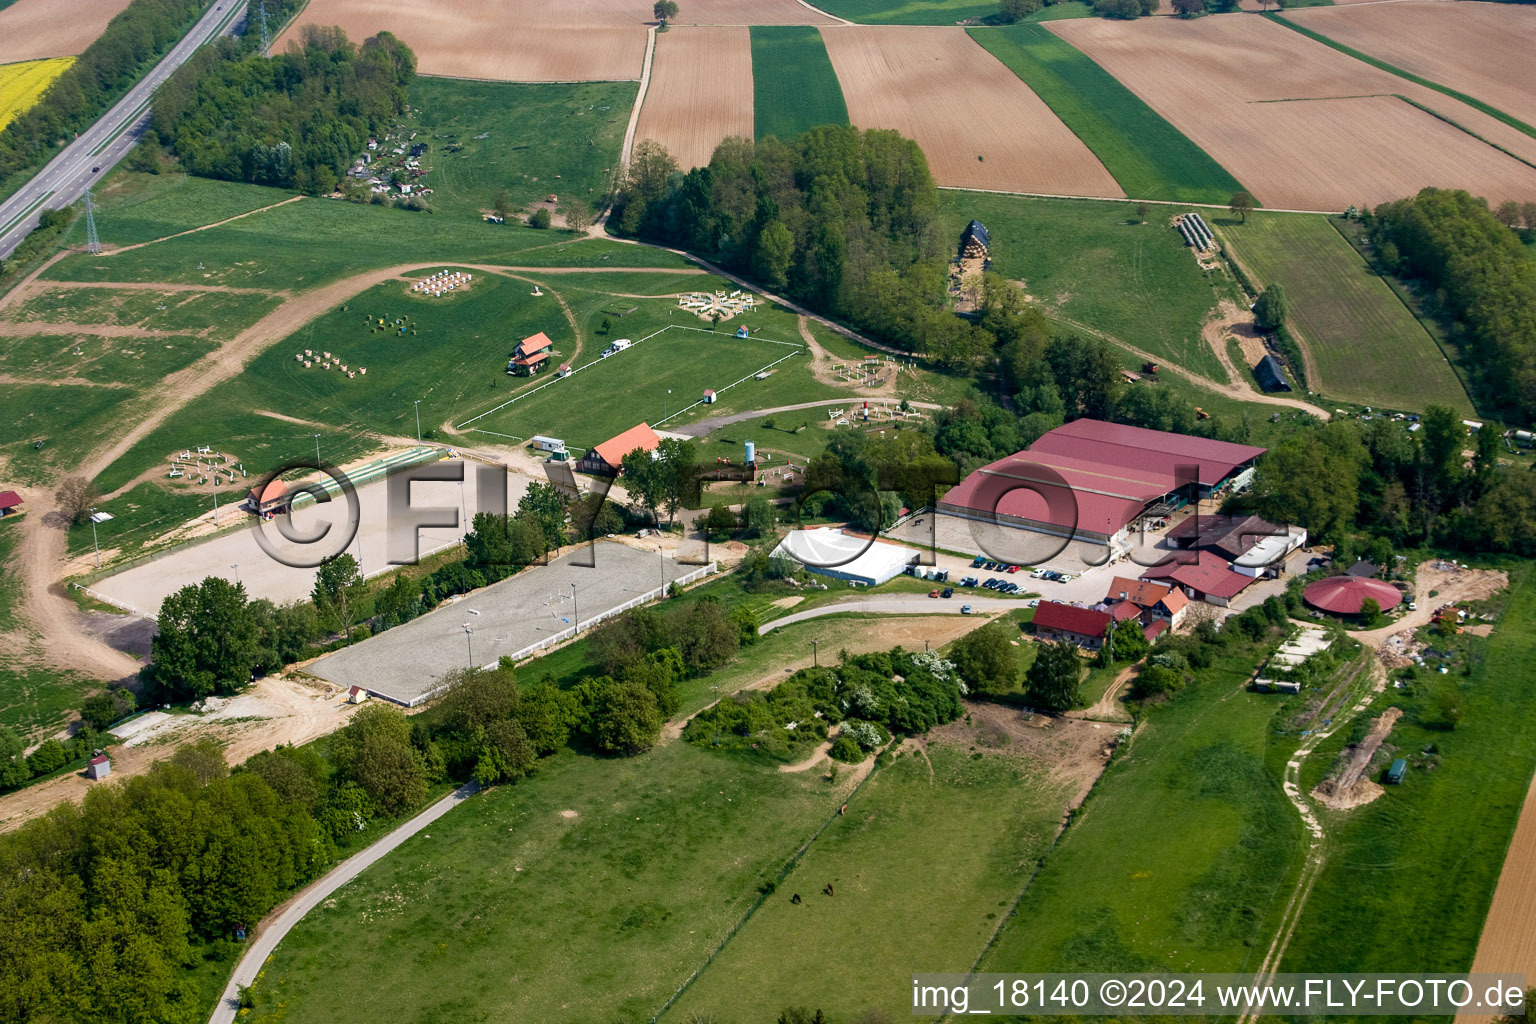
1250	543
1091	481
1152	601
1210	578
1085	627
530	355
608	458
1271	375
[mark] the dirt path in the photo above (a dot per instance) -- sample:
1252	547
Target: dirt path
155	286
1107	708
1508	940
31	327
628	148
1239	388
205	227
822	363
1351	789
1239	325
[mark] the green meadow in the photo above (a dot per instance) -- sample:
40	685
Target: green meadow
1090	262
940	12
1367	345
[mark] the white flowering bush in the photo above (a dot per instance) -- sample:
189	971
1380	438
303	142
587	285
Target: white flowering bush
868	735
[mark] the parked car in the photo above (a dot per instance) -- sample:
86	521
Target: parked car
948	592
933	593
1037	574
1065	577
1013	568
965	609
978	562
969	581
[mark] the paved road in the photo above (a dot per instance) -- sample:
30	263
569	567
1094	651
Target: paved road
282	920
899	604
713	423
103	144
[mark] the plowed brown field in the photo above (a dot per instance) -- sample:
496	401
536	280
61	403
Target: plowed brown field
31	29
518	41
1303	125
1508	942
527	40
700	91
1484	50
980	126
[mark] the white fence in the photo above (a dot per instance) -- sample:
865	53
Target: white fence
566	634
114	602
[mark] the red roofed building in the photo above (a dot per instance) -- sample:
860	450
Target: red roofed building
1083	626
607	457
530	355
1089	480
10	503
1343	595
265	497
1211	579
1154	601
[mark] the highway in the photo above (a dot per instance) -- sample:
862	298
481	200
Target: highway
63	181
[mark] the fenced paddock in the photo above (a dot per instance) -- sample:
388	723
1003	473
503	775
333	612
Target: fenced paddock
603	397
515	618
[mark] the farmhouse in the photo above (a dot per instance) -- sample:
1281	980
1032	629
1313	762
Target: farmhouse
861	560
10	504
1082	626
1150	601
606	458
267	497
1090	481
530	355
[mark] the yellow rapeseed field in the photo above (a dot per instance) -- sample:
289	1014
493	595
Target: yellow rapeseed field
23	83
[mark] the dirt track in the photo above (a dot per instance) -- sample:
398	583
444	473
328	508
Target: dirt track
980	126
1508	942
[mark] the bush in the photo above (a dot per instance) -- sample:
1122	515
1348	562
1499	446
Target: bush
847	750
539	218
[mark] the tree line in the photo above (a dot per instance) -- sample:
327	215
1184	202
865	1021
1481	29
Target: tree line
295	120
1472	264
1356	483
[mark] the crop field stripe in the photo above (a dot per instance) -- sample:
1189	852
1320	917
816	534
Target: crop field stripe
794	87
1148	156
1381	65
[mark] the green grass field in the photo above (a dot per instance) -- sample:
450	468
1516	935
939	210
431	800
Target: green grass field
516	908
794	87
33	700
217	315
539	139
135	208
315	241
942	842
1090	262
1150	158
1431	849
1366	345
940	12
1182	857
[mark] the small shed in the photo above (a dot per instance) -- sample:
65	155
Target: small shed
356	695
1271	375
10	503
709	398
1398	770
564	371
99	767
266	497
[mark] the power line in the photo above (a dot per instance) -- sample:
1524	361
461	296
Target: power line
92	240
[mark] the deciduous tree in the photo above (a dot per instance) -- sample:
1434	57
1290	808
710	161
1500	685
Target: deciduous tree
76	495
986	659
1053	682
1241	203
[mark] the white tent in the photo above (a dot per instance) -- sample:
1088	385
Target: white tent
831	552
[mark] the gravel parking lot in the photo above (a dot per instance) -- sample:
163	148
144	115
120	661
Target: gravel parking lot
406	662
